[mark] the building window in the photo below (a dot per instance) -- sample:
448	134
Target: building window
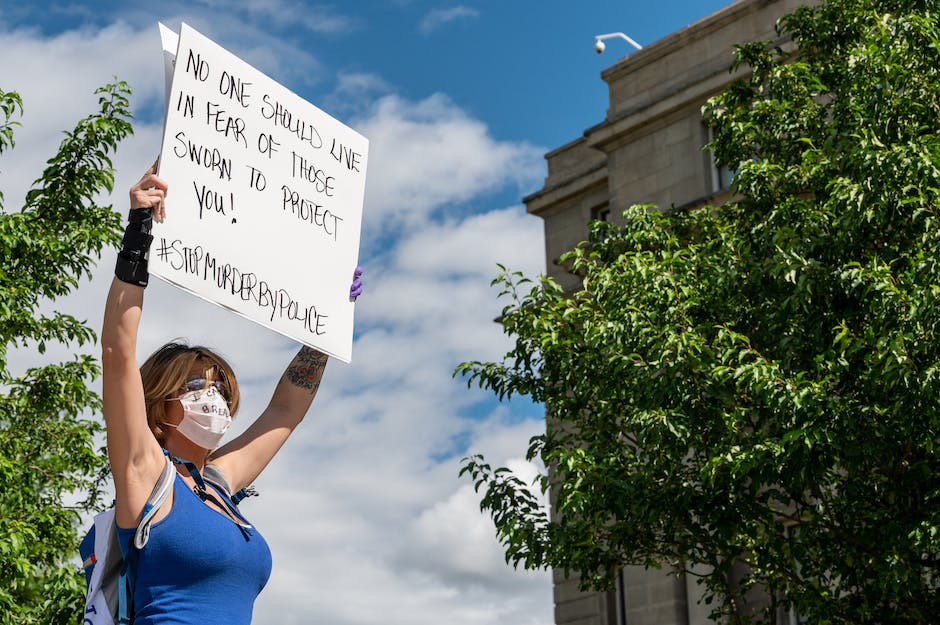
722	175
602	213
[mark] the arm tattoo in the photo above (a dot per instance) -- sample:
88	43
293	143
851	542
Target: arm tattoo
306	369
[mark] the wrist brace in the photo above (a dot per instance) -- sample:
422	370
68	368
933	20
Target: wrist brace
132	260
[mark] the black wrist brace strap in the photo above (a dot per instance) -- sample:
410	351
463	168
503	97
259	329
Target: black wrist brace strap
132	260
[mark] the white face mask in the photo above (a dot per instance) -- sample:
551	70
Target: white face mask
205	417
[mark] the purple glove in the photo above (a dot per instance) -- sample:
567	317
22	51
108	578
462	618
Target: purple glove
355	290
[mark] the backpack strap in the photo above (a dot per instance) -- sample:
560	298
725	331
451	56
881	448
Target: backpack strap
161	491
220	497
126	581
214	476
127	578
248	491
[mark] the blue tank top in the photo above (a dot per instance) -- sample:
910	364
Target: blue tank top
198	568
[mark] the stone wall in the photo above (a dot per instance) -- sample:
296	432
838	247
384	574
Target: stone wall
648	149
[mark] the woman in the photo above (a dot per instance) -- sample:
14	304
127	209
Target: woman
204	563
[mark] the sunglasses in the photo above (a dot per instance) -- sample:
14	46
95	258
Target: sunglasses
202	383
199	383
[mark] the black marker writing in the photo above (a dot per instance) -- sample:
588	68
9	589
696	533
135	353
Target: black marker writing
163	252
305	210
210	201
187	104
234	88
267	144
246	286
225	124
344	155
256	179
211	159
282	117
196	66
306	170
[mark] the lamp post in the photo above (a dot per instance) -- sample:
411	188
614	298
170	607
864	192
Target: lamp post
600	46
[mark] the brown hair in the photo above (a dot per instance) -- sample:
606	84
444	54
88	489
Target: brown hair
164	373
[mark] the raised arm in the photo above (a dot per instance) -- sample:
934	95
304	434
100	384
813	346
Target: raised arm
242	459
134	454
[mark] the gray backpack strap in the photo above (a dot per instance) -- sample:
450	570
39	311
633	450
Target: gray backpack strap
112	568
213	474
161	491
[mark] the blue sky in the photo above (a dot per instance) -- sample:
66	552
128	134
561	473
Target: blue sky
460	100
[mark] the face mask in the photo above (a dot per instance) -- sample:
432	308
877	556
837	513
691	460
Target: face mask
205	417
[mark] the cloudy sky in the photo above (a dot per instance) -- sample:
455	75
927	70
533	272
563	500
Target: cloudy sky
365	514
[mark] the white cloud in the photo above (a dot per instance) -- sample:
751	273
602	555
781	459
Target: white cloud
362	508
57	77
281	58
354	93
429	154
320	19
402	545
453	248
449	537
436	18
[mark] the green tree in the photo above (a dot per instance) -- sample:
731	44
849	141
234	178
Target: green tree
757	382
47	448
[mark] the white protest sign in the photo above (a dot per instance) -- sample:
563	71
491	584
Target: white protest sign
170	42
265	198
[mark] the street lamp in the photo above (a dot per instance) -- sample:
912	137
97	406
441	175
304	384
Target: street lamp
599	44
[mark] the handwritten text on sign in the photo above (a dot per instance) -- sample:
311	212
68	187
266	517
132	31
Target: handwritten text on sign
265	202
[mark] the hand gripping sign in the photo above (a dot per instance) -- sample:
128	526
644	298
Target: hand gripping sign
266	194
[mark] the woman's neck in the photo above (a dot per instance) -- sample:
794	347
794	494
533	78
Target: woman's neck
185	449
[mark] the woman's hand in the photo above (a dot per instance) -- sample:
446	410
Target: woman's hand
150	192
355	289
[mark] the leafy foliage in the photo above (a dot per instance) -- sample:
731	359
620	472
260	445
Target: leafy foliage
757	382
47	451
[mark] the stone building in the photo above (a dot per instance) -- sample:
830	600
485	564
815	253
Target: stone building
648	148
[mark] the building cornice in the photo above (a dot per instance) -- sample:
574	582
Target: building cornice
671	43
635	123
644	114
583	182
